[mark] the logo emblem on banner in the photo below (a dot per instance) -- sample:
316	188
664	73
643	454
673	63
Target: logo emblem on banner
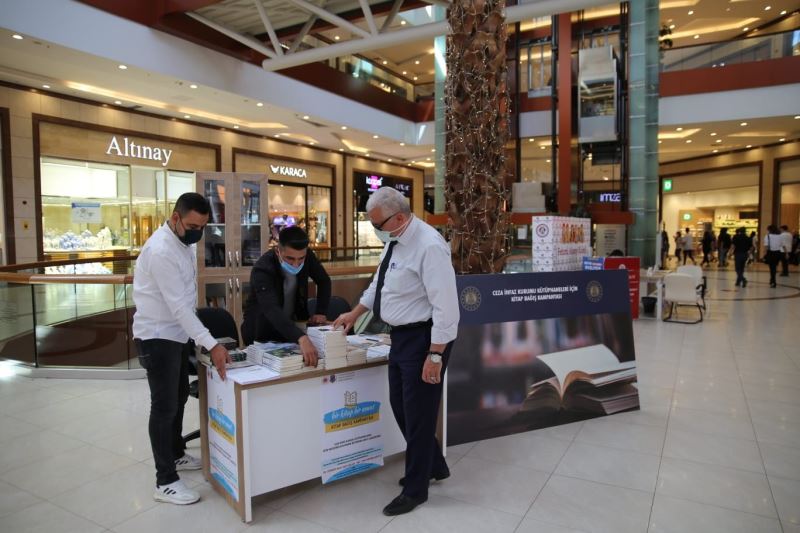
470	298
350	399
594	291
542	230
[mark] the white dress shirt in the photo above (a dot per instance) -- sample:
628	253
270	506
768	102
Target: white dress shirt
774	243
420	283
786	241
165	291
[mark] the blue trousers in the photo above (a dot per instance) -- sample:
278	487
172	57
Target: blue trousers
415	405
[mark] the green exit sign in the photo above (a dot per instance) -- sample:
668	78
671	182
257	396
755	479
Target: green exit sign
667	185
687	216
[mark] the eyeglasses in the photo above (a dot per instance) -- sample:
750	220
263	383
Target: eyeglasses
380	226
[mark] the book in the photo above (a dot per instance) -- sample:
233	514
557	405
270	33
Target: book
585	379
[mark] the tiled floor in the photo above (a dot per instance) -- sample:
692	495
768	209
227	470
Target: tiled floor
716	447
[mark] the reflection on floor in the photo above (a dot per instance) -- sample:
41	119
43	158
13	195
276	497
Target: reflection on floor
716	447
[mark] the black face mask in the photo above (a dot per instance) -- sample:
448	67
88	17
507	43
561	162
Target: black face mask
190	236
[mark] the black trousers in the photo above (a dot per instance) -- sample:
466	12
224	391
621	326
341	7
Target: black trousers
773	258
415	405
784	264
739	260
688	254
167	366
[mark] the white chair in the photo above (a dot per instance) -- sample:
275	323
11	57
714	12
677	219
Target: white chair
681	290
700	280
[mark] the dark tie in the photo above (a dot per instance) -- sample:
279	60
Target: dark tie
376	307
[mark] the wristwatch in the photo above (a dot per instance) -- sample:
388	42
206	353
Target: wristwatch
436	357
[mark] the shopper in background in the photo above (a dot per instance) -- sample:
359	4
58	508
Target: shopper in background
664	248
755	247
786	243
277	305
687	243
742	245
415	293
165	296
724	245
773	250
707	243
678	245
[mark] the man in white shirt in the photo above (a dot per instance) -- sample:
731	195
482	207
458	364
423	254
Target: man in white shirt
415	293
786	244
688	247
165	295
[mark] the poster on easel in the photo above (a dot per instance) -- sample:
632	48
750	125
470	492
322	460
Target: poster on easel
223	458
351	421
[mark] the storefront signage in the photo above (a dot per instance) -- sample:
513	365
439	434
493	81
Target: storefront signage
611	197
292	172
374	183
667	185
128	148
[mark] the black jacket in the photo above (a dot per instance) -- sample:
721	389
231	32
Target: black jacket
263	313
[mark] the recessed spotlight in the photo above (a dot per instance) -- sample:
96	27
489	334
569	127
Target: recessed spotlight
746	28
404	73
713	133
767	8
17	36
118	102
691	12
306	117
548	161
260	104
375	137
433	150
402	22
341	149
719	140
402	144
531	140
688	141
277	135
743	123
45	86
783	12
714	151
193	86
389	160
672	26
385	62
187	116
312	143
659	142
236	126
415	78
122	67
605	178
542	147
782	139
749	146
797	117
344	127
336	37
696	37
416	62
678	129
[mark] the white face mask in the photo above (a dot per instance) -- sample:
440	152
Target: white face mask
386	236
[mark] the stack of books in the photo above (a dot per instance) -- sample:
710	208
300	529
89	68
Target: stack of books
373	347
331	346
284	358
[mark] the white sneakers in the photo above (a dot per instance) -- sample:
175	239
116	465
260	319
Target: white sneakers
187	462
177	493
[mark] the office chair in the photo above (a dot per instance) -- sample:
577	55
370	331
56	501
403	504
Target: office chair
220	323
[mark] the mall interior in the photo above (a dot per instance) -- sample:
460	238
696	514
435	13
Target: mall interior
656	126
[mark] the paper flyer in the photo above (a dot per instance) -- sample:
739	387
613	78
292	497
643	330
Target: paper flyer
352	438
222	433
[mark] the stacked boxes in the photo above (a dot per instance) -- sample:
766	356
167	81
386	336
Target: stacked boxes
560	243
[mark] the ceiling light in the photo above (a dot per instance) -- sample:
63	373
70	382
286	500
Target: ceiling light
696	37
688	141
336	37
678	129
605	178
416	62
672	26
259	104
542	147
277	135
305	117
531	140
427	159
713	133
714	151
385	62
187	116
344	127
783	12
749	146
236	126
782	139
404	73
796	117
375	137
193	86
745	28
659	142
45	86
118	102
389	160
17	36
743	124
415	78
433	150
767	8
402	22
341	149
719	140
548	160
691	12
122	67
402	144
312	143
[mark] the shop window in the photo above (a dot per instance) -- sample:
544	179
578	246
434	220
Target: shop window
319	216
790	205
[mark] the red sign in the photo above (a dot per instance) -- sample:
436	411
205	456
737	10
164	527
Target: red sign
632	265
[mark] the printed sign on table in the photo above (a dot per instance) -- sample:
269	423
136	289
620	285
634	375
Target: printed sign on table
352	431
222	433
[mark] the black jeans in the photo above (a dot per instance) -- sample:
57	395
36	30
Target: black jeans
688	254
773	258
740	260
167	365
415	405
784	264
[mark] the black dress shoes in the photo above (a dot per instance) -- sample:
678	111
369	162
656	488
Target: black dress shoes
438	476
403	504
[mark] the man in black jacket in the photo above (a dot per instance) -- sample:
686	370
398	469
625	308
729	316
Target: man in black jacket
278	297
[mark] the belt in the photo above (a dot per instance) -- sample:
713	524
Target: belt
414	325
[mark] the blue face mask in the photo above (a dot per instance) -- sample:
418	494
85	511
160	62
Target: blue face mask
293	270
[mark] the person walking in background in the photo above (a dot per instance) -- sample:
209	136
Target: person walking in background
724	245
678	245
707	244
688	247
773	248
742	246
664	248
786	243
754	249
